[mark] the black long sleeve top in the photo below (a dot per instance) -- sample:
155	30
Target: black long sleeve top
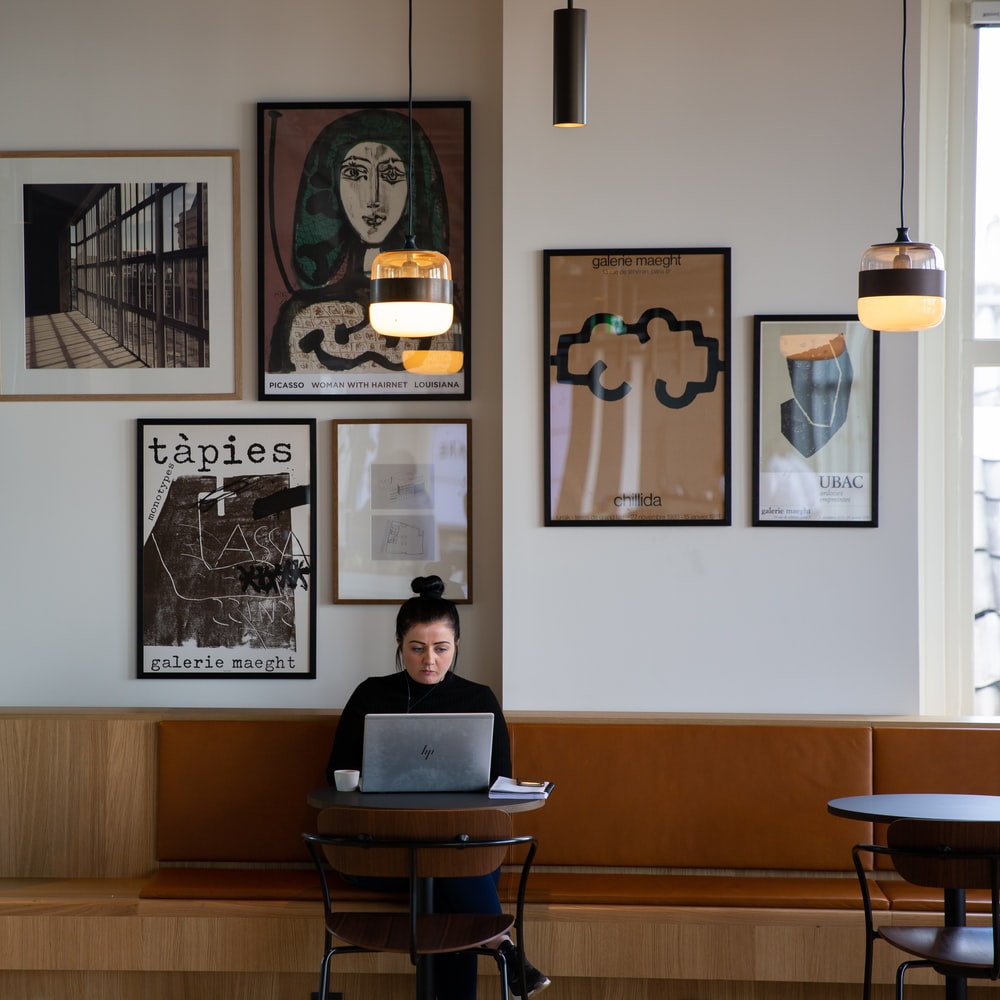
391	693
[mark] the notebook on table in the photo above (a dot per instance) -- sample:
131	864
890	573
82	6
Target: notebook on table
429	752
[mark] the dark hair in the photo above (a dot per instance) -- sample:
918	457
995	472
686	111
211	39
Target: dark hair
323	237
430	605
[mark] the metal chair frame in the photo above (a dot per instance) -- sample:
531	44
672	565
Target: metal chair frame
364	842
938	854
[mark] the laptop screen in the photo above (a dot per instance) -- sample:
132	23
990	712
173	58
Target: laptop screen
427	752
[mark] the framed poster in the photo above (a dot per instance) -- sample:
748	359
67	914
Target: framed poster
403	508
120	275
815	412
637	396
226	533
334	190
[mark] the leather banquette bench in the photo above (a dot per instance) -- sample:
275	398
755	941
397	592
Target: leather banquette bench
673	848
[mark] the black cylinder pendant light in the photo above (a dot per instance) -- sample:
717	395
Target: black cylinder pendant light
569	66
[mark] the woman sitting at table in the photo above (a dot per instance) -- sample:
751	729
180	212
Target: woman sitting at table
427	638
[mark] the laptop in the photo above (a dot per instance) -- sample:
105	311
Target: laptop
427	752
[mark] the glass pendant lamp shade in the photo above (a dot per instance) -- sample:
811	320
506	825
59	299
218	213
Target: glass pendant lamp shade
411	293
901	286
411	289
433	362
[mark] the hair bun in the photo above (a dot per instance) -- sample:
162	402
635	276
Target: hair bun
428	586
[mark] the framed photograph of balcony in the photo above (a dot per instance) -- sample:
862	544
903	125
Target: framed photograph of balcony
120	275
403	508
226	540
334	190
815	422
637	387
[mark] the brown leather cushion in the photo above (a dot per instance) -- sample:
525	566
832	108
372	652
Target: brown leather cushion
599	888
905	896
694	795
924	759
937	760
241	883
236	790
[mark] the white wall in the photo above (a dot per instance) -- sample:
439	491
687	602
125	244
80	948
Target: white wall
187	75
769	127
764	126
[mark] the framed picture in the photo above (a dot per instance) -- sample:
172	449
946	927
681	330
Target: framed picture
226	534
120	275
815	420
637	395
403	508
334	190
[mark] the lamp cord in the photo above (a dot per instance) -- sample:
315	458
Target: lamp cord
410	242
902	126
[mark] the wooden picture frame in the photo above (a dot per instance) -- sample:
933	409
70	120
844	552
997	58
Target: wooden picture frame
121	276
637	386
319	167
226	541
404	508
815	422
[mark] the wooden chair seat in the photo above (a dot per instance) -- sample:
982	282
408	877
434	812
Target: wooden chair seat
965	949
437	933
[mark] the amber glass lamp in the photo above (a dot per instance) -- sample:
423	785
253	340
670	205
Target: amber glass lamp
901	284
411	289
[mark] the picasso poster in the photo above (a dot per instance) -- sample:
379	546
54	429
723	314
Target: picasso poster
338	184
226	531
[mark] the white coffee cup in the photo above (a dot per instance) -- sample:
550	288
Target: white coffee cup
346	780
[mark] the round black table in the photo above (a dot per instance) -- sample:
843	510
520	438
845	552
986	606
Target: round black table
886	807
945	806
328	797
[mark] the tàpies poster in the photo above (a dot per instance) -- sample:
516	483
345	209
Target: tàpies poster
226	533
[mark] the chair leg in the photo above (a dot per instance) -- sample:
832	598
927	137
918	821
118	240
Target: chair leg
869	946
901	972
324	976
501	961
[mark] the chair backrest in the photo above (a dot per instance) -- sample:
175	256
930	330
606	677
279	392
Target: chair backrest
946	854
389	837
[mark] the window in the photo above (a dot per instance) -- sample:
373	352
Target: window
959	409
986	386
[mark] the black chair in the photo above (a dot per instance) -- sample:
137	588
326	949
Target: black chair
419	846
950	856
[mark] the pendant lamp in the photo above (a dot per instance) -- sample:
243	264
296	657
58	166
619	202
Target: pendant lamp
411	289
901	284
569	67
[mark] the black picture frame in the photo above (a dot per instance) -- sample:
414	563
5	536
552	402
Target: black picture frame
815	422
315	342
226	539
637	399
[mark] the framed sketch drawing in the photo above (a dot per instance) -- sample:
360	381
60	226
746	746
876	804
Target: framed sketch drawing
226	534
334	190
120	275
815	421
637	394
403	508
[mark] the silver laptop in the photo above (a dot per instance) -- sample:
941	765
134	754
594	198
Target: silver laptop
447	752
